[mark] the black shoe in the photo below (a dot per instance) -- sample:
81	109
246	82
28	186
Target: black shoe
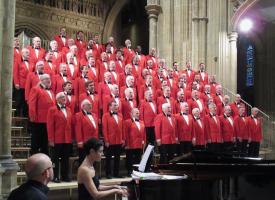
109	177
56	180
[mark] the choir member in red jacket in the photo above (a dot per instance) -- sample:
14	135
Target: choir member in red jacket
33	78
184	128
72	68
254	132
241	130
213	129
176	70
197	102
50	67
111	42
71	100
60	78
180	86
203	74
16	50
41	99
128	103
189	72
110	55
113	96
88	54
97	47
198	131
130	83
179	101
148	85
236	105
59	127
61	39
93	72
113	71
104	88
206	94
152	56
148	113
66	49
128	52
92	97
221	106
218	96
166	98
20	73
141	57
112	126
166	135
80	43
119	61
36	51
227	130
86	127
79	82
58	57
213	83
134	132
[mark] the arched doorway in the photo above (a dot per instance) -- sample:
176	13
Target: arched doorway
128	19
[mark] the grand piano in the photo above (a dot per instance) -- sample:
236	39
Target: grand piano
210	176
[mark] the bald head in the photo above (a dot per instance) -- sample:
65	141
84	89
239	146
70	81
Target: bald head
36	166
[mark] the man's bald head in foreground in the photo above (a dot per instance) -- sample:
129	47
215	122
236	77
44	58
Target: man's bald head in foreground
39	167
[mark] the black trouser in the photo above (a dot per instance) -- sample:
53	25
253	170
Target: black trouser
242	147
185	147
199	147
39	138
228	147
112	150
254	148
21	104
150	135
214	147
133	156
167	152
61	151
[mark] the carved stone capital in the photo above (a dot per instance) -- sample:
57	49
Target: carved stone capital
233	36
153	10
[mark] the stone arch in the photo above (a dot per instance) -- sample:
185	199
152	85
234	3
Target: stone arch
241	11
38	31
111	18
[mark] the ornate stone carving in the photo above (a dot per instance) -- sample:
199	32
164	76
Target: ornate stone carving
50	19
237	4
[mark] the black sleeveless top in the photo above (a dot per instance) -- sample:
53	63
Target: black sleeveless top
83	193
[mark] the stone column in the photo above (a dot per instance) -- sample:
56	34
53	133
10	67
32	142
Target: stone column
232	79
7	165
153	10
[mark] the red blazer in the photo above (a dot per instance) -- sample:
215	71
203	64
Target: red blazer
155	61
111	56
161	100
126	108
32	81
205	80
213	129
97	49
165	132
81	47
177	107
198	132
20	73
115	80
59	127
103	90
84	128
57	82
73	74
217	99
106	100
255	131
60	43
147	114
122	92
94	75
241	127
193	104
175	91
135	138
143	89
227	130
39	104
184	130
112	131
48	70
102	67
128	55
190	77
16	55
235	108
72	104
205	97
33	58
95	103
120	66
79	86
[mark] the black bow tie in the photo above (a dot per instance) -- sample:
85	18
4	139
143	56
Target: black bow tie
49	61
130	99
25	60
213	115
166	97
197	118
63	36
40	73
16	48
71	63
137	120
116	97
63	75
47	88
88	113
37	48
62	106
149	101
168	115
113	113
183	114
